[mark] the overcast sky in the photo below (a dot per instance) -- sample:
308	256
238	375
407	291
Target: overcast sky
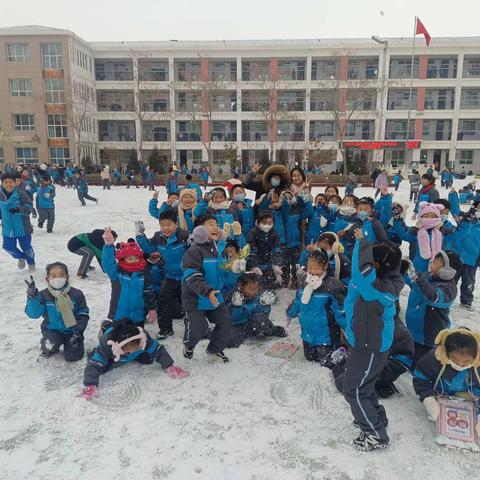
114	20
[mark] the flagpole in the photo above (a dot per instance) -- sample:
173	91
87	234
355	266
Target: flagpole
411	80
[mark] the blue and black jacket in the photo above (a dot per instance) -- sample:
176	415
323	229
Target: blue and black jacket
431	196
171	248
45	197
313	214
154	274
202	273
370	305
16	224
243	213
345	265
322	317
82	185
466	241
131	296
264	249
428	307
43	305
372	231
243	313
293	215
278	219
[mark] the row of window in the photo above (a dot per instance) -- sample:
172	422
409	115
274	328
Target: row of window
29	155
56	124
52	54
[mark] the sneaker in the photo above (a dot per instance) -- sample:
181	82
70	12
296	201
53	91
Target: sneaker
164	333
49	231
32	267
174	371
468	306
187	352
219	356
21	264
40	226
367	442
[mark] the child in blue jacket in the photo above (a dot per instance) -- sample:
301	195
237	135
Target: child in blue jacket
131	296
319	306
171	184
241	208
343	219
82	189
451	369
64	310
430	299
217	204
171	242
46	204
124	342
15	209
250	311
316	215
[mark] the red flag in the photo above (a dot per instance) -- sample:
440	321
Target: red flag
420	29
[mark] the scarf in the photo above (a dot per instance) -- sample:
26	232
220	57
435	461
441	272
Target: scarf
313	282
64	305
427	188
138	266
428	245
219	206
182	207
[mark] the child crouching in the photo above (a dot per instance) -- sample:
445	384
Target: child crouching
319	307
64	310
250	311
124	342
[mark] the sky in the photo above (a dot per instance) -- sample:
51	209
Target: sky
117	20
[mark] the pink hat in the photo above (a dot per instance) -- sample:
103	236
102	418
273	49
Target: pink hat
425	207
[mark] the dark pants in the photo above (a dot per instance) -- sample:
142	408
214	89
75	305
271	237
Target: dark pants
46	215
87	257
132	183
82	196
318	353
52	340
106	183
196	327
413	195
468	284
118	180
291	257
169	297
25	251
258	326
396	187
357	384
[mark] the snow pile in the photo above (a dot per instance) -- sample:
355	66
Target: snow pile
257	418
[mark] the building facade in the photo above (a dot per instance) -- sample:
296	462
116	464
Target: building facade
239	102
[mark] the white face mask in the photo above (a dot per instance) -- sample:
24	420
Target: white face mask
444	217
265	227
347	210
458	368
333	207
312	278
57	283
275	182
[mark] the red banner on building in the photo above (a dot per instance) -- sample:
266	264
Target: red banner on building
365	145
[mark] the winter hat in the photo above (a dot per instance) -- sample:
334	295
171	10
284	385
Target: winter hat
233	182
125	249
181	206
387	255
429	244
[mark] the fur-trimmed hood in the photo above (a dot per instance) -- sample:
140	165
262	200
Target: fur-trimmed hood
441	353
276	169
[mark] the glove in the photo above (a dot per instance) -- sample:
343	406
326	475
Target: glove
32	290
152	316
89	392
237	299
226	228
257	271
277	271
323	221
237	228
75	339
432	408
108	236
239	266
268	298
139	228
13	210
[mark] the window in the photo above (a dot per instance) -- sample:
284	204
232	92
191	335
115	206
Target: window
471	67
361	100
402	67
21	88
255	101
291	69
18	52
155	101
362	69
470	99
115	101
224	131
439	99
437	130
116	70
396	158
52	55
186	71
54	90
57	125
397	129
153	70
466	157
23	122
291	101
255	70
116	131
2	155
26	155
468	129
398	99
442	67
290	131
60	156
156	131
323	131
360	129
254	131
323	100
223	71
188	131
325	69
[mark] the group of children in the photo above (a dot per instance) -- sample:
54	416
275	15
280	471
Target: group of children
219	259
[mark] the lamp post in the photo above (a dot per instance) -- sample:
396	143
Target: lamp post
379	40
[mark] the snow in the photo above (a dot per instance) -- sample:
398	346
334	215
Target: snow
256	418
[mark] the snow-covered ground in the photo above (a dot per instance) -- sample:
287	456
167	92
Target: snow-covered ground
256	418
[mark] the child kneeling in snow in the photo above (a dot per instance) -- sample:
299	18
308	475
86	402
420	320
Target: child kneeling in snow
250	310
125	342
64	311
452	369
319	306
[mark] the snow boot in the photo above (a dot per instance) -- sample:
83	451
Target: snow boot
218	356
368	442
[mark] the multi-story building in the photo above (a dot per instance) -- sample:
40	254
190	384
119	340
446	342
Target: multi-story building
62	99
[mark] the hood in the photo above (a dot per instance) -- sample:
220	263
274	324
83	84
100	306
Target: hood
276	170
441	353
